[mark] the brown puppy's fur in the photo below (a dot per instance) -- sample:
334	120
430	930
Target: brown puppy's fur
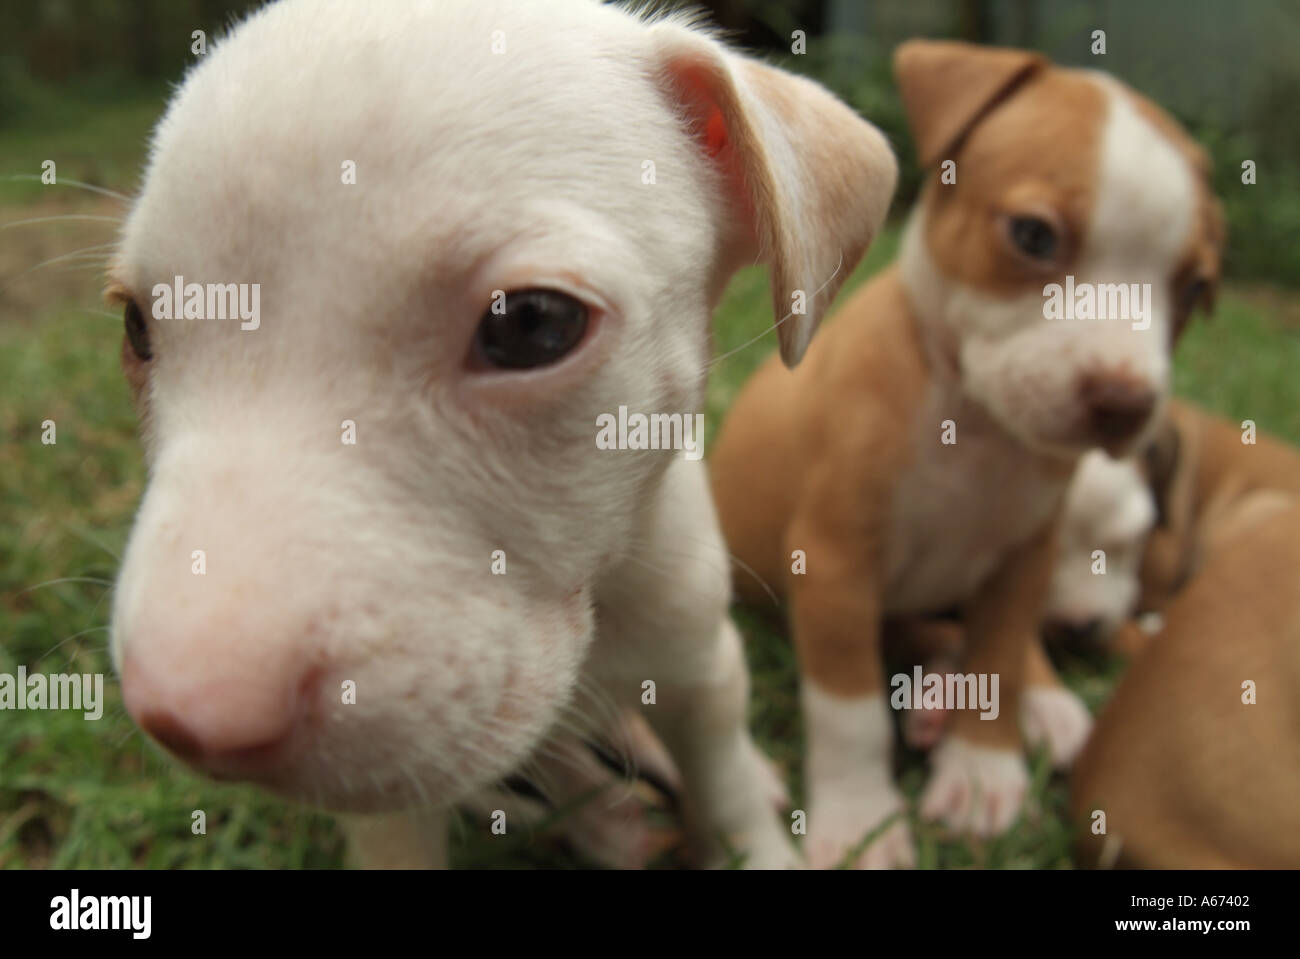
1188	775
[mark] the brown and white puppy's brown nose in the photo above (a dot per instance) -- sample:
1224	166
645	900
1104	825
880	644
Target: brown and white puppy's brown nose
1118	407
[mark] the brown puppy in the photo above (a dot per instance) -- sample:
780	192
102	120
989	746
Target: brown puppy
1201	468
917	460
1195	762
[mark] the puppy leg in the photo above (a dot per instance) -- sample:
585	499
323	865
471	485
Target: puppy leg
667	645
729	787
412	839
848	730
979	776
1051	715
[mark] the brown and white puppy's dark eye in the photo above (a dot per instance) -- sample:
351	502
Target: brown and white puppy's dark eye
536	328
137	332
1034	237
1191	295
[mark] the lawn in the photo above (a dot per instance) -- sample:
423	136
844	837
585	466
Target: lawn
95	794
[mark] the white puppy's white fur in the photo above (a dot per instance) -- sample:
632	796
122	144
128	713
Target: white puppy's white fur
1108	507
330	564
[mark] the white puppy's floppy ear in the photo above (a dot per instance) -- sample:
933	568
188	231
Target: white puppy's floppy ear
808	180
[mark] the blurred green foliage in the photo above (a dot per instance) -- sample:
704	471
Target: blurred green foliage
95	51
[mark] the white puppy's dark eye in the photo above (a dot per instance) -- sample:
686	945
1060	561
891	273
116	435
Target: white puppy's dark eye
532	328
1034	237
137	332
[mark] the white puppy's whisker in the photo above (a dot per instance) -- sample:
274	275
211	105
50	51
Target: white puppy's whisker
61	217
64	181
777	325
115	316
85	632
106	583
90	251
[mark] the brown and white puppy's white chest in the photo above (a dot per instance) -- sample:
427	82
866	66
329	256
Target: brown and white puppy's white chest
959	508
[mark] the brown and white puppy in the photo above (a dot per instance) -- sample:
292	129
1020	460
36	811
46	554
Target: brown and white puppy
1056	174
1195	762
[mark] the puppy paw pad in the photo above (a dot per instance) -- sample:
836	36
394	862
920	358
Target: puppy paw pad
975	789
1058	719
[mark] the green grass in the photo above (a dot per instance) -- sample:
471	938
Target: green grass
94	794
95	134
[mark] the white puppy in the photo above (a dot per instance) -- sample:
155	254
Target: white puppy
381	560
1109	512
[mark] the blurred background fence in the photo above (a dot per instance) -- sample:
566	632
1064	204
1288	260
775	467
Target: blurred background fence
1228	70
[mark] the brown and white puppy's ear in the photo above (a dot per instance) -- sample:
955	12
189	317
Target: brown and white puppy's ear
1208	266
807	181
1209	256
1172	553
1160	458
947	87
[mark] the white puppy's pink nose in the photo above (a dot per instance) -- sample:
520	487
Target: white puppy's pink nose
229	719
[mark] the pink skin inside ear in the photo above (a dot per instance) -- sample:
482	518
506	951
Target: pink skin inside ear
715	133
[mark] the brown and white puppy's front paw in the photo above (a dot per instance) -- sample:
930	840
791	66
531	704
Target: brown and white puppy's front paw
975	789
1054	717
853	796
839	824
